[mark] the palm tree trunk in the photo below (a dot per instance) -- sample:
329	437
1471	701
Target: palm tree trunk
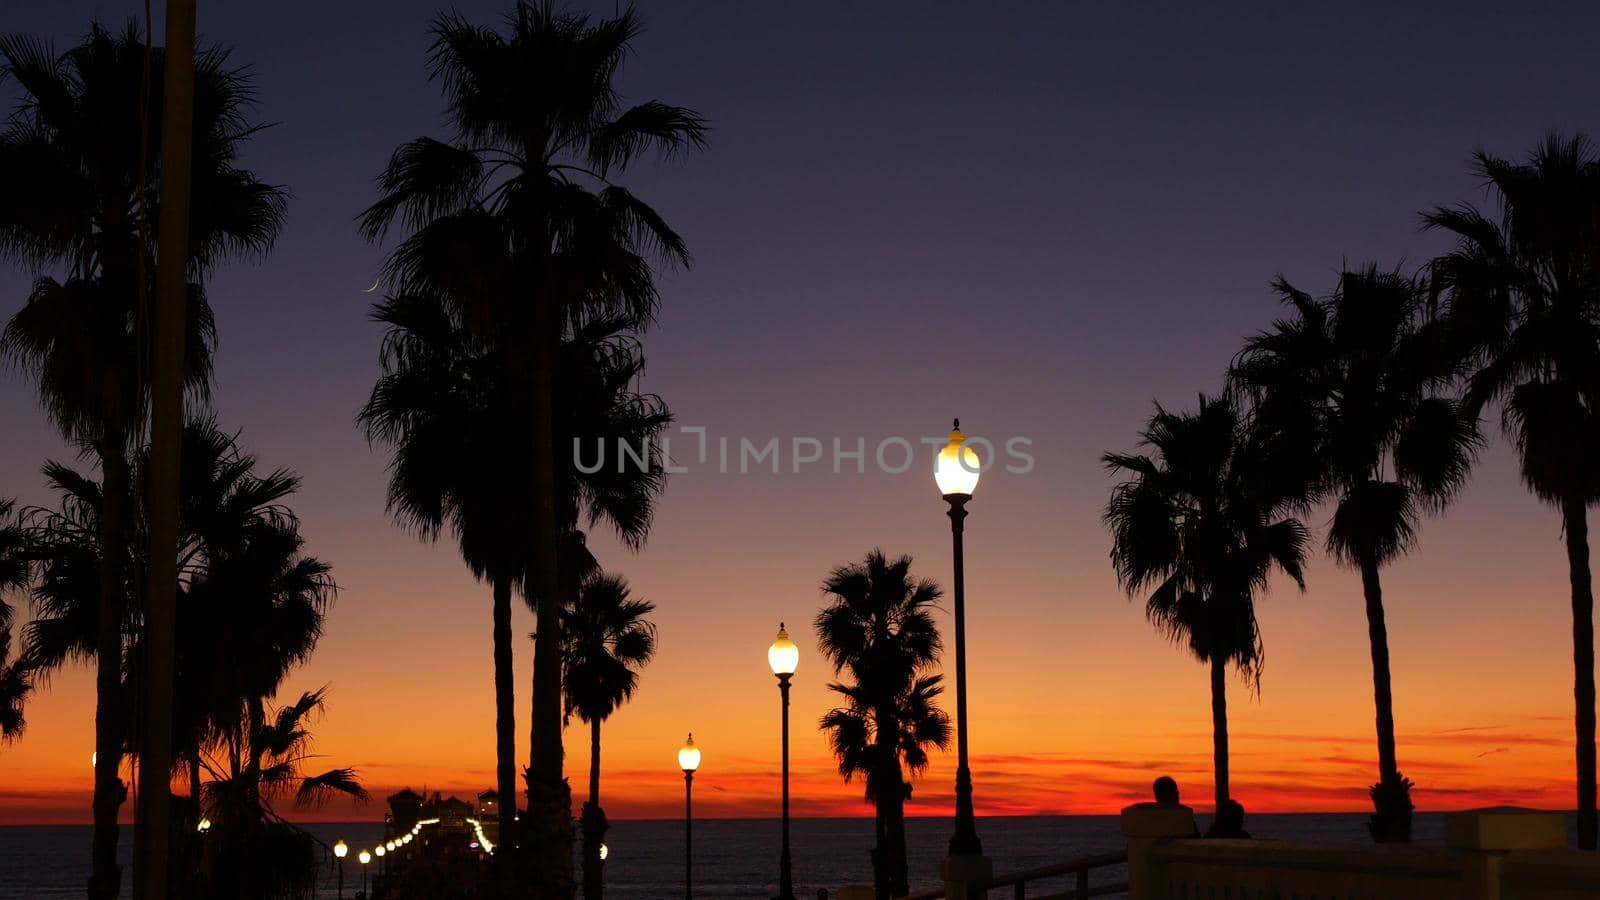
1391	800
880	848
1219	726
594	822
895	837
105	879
152	826
505	709
1575	512
594	762
549	798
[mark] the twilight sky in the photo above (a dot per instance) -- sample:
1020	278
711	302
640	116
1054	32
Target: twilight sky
1039	219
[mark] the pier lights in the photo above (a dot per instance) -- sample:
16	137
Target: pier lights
340	851
783	656
956	472
364	859
688	761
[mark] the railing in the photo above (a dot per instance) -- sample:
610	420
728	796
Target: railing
1019	881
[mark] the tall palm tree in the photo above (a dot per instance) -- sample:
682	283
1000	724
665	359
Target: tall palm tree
519	220
1355	378
606	640
877	627
1202	524
1523	289
454	423
79	182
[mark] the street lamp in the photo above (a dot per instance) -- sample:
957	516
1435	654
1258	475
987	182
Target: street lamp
688	761
340	851
783	656
203	826
364	858
956	472
379	851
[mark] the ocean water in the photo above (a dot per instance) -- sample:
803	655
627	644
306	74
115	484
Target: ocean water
732	858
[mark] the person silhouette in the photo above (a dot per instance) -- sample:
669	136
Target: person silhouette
1229	822
1166	793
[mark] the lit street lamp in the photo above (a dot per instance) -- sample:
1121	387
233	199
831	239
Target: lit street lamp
956	472
379	851
688	761
340	851
364	858
783	656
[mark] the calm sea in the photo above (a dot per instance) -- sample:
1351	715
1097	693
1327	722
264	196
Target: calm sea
732	858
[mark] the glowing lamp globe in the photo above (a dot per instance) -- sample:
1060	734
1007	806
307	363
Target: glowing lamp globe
341	849
956	469
689	755
365	858
389	845
379	852
783	656
204	826
604	852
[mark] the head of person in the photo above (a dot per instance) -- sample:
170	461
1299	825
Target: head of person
1231	815
1166	790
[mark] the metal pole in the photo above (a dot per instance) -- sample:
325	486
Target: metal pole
688	835
965	841
339	864
785	878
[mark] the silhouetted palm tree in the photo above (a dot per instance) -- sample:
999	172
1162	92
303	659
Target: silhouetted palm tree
16	683
521	223
251	604
878	628
15	569
606	640
1202	523
253	853
1523	289
456	425
1352	381
79	178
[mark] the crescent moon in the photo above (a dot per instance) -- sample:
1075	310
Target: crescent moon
374	286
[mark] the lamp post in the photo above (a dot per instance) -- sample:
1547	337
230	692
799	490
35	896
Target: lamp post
783	656
688	761
379	851
956	472
340	851
364	858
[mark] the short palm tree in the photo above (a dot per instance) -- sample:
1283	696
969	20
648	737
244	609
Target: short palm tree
79	182
16	681
1202	524
606	640
252	851
878	629
1523	290
251	604
521	223
1355	378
